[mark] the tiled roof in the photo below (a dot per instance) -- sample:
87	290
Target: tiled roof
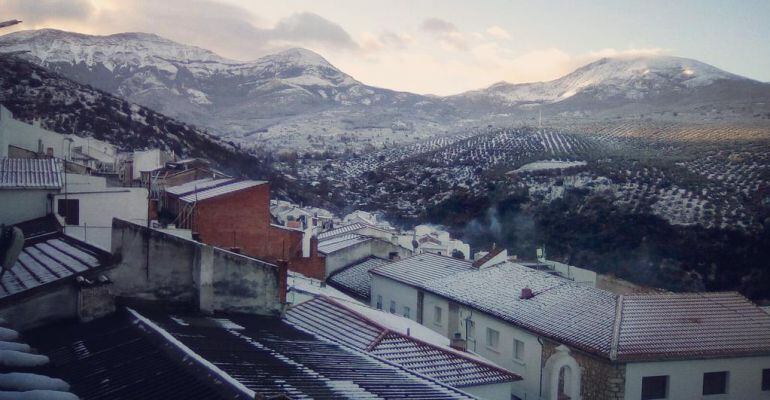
691	325
272	358
577	315
355	279
219	190
114	358
334	321
422	268
197	186
341	230
489	256
24	173
47	260
337	243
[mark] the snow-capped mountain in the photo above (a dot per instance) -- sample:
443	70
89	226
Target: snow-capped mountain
232	98
612	82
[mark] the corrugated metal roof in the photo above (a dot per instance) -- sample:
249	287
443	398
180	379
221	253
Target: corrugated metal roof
113	358
355	279
197	186
47	261
334	321
691	325
422	268
23	173
340	242
273	358
220	190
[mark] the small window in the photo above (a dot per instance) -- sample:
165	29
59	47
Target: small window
654	387
437	315
407	312
715	382
379	302
493	338
518	350
766	379
392	307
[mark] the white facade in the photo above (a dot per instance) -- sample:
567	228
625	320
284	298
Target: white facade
685	378
441	243
19	205
388	290
147	160
98	205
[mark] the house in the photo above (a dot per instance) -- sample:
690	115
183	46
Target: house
570	340
429	239
355	279
27	187
350	244
402	342
287	214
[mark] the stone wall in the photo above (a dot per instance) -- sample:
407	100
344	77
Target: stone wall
600	378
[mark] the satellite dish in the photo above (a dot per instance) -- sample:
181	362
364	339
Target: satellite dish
11	243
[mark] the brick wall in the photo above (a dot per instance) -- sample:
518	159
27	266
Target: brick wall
600	378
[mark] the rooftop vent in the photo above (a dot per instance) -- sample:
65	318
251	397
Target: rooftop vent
526	293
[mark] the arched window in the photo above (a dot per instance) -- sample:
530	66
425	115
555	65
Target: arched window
561	376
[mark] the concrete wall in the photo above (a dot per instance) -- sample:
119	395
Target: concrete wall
352	254
23	205
391	290
155	266
52	305
685	378
499	391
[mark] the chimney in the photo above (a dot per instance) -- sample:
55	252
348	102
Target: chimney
526	293
458	343
283	272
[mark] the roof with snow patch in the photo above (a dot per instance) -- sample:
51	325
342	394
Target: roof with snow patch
197	186
422	268
26	173
47	260
341	230
335	321
220	190
355	279
340	242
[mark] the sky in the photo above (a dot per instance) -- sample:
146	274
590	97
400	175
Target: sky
430	46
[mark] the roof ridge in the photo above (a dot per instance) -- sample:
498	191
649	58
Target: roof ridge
616	328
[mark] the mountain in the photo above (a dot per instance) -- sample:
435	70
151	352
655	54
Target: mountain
232	98
609	84
34	94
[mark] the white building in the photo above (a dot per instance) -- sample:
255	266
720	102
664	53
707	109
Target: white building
26	187
430	239
570	340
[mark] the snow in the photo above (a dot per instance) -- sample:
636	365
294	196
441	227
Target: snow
38	395
193	355
8	334
198	97
23	347
18	359
299	283
24	381
227	324
549	164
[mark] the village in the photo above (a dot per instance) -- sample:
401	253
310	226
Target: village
124	273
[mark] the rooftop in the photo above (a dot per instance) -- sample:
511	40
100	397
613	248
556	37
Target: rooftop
47	260
355	279
228	188
422	268
24	173
346	324
341	230
340	242
197	186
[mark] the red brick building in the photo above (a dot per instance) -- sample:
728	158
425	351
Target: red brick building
236	216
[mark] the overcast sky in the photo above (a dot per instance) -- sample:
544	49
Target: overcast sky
432	46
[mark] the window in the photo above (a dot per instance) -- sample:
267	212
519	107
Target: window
392	307
766	379
715	382
70	210
407	312
437	315
518	350
379	302
493	338
654	387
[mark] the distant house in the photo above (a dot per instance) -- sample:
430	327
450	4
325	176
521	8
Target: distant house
27	187
403	342
570	340
350	244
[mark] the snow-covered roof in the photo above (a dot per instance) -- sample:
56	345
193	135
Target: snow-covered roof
220	190
24	173
48	260
341	230
268	357
337	243
355	278
197	186
385	335
422	268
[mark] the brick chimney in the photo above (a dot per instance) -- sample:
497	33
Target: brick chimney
283	274
526	293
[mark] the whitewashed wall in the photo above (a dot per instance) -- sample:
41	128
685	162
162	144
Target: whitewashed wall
22	205
686	378
390	290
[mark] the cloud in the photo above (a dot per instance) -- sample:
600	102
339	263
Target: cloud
438	26
309	27
498	32
46	10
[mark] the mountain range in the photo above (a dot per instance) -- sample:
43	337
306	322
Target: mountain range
291	90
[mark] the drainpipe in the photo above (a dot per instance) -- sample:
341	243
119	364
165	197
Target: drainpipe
540	389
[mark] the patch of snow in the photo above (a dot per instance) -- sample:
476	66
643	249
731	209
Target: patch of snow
24	381
549	164
23	347
227	324
8	334
38	395
18	359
